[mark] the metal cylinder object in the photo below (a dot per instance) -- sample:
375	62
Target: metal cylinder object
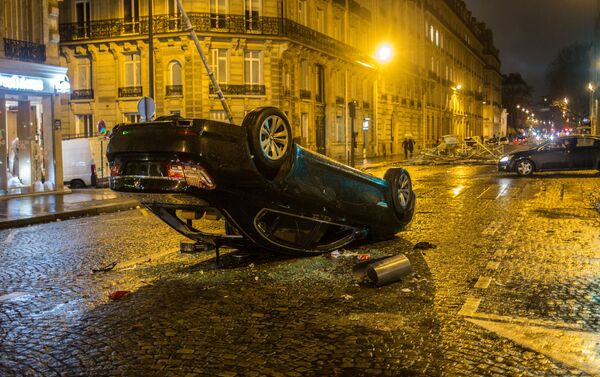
389	270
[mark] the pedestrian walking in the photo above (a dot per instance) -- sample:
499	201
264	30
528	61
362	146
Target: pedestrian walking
409	145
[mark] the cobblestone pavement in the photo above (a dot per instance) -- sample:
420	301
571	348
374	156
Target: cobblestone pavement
513	288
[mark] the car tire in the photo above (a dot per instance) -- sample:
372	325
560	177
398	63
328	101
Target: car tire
76	184
269	137
403	198
524	167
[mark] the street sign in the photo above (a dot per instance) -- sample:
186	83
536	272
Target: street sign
146	108
101	127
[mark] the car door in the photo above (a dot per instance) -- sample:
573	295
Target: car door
583	155
552	156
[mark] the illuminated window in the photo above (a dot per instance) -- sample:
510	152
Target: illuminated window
219	64
253	68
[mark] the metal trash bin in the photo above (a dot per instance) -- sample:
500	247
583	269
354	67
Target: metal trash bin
389	270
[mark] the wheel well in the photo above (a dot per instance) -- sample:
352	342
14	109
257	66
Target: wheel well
77	182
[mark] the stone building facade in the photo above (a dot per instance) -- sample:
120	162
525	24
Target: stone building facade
309	57
30	77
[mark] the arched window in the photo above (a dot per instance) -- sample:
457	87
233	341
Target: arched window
175	82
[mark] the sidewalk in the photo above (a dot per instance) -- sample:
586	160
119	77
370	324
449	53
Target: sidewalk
28	210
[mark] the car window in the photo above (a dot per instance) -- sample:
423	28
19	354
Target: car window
550	145
585	142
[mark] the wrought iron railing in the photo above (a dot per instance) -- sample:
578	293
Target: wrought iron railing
366	105
24	50
206	22
240	90
305	94
287	92
130	91
174	90
79	94
340	2
339	100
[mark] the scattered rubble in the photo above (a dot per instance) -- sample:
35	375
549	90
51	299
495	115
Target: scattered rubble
453	151
106	268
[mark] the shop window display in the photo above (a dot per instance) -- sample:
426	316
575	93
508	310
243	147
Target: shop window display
23	145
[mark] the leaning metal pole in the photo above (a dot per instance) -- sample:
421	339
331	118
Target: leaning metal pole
211	75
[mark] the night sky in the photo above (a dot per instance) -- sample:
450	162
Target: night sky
529	33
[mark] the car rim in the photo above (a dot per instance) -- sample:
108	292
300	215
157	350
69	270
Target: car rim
524	167
404	190
274	137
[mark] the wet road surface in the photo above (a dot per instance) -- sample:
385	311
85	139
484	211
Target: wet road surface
512	288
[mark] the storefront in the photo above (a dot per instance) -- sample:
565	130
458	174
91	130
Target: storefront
27	140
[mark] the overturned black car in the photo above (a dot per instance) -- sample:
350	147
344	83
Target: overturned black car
271	192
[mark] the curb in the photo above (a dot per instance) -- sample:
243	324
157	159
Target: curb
65	215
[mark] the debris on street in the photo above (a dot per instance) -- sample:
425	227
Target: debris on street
117	295
451	150
106	268
389	270
364	257
424	245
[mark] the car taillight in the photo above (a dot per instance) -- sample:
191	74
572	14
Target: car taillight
175	172
115	170
197	176
93	170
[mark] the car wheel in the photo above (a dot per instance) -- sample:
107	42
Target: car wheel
524	167
77	184
402	195
269	137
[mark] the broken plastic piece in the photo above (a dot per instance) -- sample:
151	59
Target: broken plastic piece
106	268
117	295
424	245
364	257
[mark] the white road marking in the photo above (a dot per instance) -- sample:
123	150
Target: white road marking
470	306
483	282
11	236
578	349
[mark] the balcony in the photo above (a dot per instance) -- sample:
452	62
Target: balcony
130	91
24	50
240	90
206	23
82	94
305	94
174	90
339	100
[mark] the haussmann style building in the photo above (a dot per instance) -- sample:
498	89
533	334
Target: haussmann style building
315	59
30	79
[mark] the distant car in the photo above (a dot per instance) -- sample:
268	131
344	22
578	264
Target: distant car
79	167
565	153
519	140
272	193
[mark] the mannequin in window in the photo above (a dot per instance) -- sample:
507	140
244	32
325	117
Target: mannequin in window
14	157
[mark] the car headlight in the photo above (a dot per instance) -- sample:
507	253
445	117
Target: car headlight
505	159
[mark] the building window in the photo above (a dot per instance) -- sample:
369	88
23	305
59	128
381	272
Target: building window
304	126
84	125
302	12
320	21
304	76
131	16
339	129
131	117
174	18
338	31
220	65
218	13
217	115
21	18
84	74
175	82
133	70
253	13
82	14
253	68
